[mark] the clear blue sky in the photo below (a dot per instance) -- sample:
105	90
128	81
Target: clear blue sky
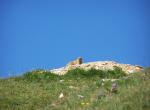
49	33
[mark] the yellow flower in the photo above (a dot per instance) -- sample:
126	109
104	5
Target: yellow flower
87	103
82	103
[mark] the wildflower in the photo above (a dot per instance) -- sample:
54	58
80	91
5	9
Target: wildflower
61	95
82	103
71	87
62	80
80	96
87	103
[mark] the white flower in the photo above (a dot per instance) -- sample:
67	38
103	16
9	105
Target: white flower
61	95
80	96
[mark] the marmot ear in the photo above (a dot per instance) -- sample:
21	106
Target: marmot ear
79	58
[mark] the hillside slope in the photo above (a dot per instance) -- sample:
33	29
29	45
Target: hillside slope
77	90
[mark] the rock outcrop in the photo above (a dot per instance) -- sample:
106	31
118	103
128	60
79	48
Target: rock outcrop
99	65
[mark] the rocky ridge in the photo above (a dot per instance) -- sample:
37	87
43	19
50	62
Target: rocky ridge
99	65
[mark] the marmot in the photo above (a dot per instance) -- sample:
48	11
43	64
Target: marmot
78	61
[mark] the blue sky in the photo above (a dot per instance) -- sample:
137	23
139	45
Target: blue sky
49	33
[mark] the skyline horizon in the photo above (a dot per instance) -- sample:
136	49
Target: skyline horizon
48	34
13	74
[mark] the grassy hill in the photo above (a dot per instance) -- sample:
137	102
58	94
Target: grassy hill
82	90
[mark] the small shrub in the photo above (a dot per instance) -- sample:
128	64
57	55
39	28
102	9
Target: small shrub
115	73
94	72
74	74
40	75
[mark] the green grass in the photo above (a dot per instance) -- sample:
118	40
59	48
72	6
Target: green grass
40	90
